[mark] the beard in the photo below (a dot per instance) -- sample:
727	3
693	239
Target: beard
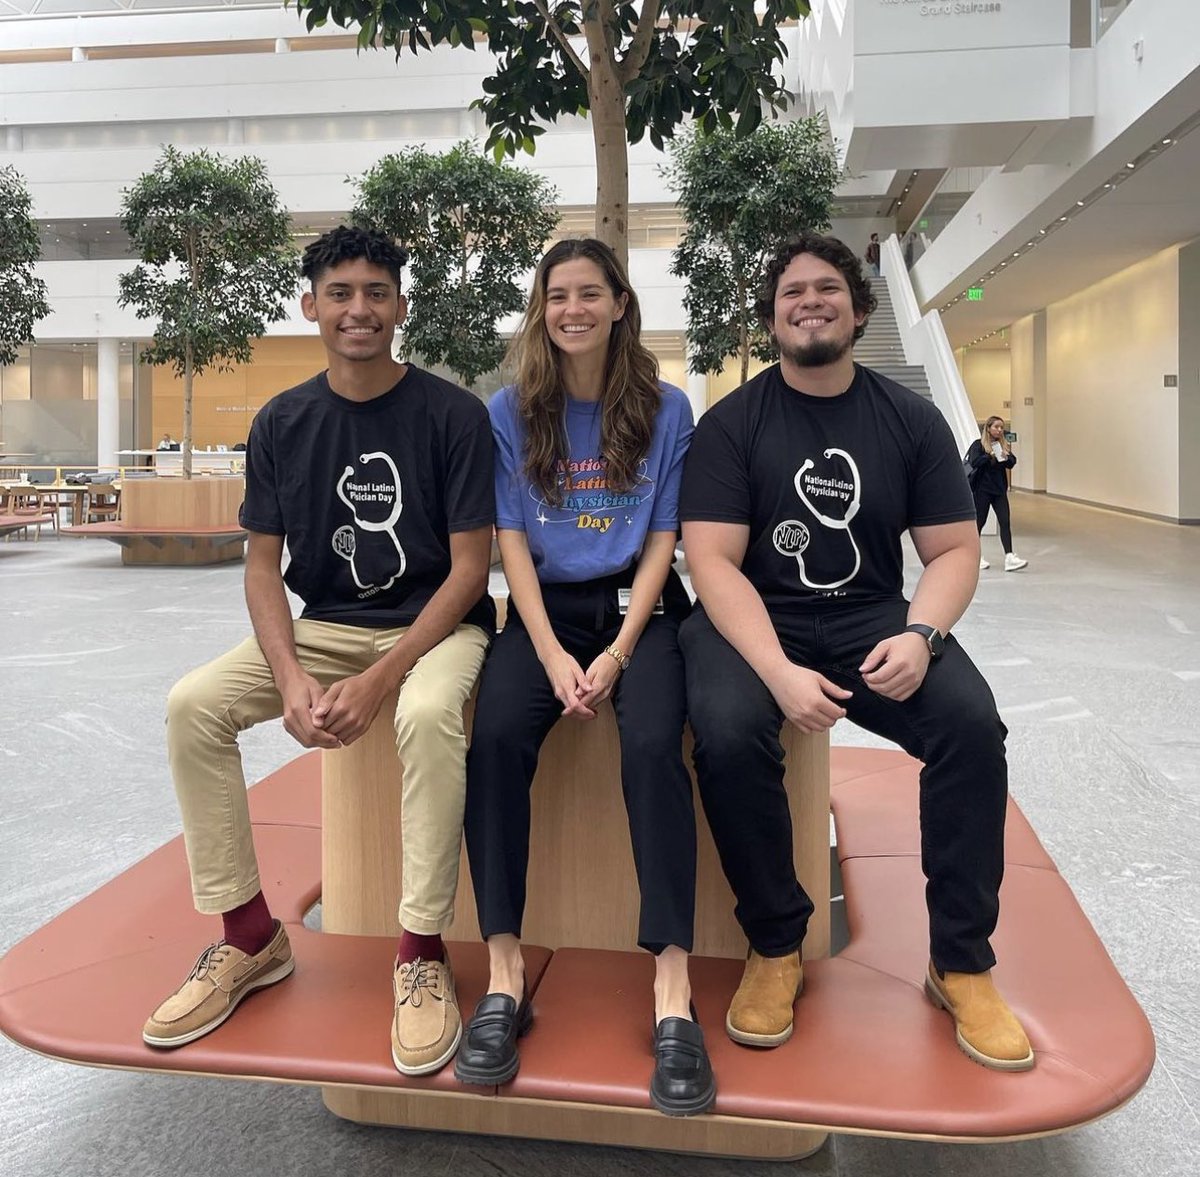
818	354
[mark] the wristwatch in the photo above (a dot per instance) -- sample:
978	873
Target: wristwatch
933	639
622	660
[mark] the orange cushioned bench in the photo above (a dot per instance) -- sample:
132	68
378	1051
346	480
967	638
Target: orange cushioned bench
167	545
11	523
869	1054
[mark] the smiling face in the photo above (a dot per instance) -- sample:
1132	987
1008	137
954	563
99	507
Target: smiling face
814	318
581	308
357	307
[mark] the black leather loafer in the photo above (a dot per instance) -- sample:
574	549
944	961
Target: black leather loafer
488	1054
683	1083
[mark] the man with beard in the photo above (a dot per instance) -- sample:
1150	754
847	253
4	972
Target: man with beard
797	490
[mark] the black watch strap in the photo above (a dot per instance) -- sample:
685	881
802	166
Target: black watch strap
933	639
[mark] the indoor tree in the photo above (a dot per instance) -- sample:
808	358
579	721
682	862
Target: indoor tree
217	263
740	197
635	69
472	227
22	294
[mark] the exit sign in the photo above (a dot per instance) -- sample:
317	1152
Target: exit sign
975	294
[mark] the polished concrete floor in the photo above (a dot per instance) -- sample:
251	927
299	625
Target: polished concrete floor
1094	656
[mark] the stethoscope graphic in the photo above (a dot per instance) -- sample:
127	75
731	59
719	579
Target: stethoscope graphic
344	542
792	538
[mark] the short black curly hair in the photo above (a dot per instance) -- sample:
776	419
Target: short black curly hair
829	249
348	243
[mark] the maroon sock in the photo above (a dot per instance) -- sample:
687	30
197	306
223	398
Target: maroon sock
250	926
412	946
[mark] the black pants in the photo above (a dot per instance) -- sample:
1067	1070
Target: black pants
985	500
514	713
950	723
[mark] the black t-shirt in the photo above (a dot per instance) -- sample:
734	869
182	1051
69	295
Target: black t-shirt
827	485
367	494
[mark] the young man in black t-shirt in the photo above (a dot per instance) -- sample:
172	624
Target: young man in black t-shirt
378	476
797	489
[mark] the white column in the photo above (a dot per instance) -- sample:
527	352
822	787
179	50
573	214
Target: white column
108	401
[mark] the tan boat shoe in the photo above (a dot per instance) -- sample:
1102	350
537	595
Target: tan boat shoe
426	1025
220	978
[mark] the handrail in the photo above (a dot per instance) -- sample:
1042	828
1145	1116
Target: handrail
926	343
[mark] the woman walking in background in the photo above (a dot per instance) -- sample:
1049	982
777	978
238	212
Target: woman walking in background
990	459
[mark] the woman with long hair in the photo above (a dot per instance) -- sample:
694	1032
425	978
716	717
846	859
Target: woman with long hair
589	455
990	459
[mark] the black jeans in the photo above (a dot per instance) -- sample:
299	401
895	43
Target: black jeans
950	723
514	713
998	503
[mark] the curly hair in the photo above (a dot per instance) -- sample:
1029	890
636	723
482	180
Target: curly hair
347	244
828	249
631	396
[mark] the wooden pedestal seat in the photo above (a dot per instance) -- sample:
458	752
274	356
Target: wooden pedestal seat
869	1054
167	545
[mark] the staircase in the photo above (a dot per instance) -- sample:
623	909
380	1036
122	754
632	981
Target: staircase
880	348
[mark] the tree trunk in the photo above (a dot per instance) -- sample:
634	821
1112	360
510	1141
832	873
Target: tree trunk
743	331
606	98
186	443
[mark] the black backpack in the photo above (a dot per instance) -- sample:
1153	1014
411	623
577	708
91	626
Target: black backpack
972	472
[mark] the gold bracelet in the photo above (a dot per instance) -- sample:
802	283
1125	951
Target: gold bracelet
622	660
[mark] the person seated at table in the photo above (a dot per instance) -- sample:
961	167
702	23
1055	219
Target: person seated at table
589	451
378	476
167	442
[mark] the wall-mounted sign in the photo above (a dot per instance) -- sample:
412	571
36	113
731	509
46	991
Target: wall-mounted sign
1170	382
912	26
975	294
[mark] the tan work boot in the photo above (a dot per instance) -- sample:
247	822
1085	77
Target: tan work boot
986	1029
426	1026
220	978
762	1008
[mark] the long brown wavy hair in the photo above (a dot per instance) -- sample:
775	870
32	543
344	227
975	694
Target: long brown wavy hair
631	395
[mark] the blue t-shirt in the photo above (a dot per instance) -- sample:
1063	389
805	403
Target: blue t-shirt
597	531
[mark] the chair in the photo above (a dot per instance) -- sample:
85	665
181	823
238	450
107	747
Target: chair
101	502
17	503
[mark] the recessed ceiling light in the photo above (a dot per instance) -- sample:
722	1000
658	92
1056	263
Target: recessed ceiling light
1042	232
1062	218
1079	204
1131	166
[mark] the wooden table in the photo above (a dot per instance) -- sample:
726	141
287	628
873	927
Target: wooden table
58	489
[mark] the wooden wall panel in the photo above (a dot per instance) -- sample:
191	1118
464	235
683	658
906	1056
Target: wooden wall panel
224	403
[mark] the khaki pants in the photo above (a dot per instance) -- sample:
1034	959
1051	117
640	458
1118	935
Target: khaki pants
207	709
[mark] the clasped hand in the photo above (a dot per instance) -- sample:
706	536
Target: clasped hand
332	717
580	693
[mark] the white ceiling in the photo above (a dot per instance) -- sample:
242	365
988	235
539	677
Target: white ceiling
1158	206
